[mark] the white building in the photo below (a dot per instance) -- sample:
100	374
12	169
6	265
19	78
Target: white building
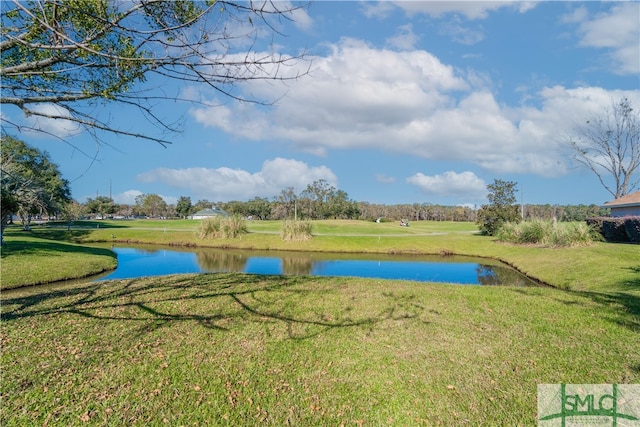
209	213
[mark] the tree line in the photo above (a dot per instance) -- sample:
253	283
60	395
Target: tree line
339	207
32	185
319	200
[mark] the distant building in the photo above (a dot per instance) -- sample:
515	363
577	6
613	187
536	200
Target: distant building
209	213
628	205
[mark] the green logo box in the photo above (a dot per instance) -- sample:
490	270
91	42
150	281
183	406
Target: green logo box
579	405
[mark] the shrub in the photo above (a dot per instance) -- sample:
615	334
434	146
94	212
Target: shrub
632	227
509	232
546	233
296	231
613	230
501	208
538	231
222	227
596	224
574	234
209	228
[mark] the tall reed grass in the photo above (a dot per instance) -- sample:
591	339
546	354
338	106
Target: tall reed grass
222	227
295	231
548	233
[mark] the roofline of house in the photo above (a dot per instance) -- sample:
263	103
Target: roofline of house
620	205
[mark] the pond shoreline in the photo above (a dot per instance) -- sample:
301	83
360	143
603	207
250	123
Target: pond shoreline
442	252
192	246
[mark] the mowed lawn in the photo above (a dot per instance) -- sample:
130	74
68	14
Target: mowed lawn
235	349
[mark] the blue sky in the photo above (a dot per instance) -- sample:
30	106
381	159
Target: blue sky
412	102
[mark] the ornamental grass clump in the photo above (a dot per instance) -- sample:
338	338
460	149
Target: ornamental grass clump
295	231
222	227
548	233
538	231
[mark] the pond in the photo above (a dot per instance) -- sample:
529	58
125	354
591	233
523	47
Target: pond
156	261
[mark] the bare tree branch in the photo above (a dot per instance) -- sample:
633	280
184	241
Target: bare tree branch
608	144
54	53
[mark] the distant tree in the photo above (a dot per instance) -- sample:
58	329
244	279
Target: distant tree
608	144
352	210
339	206
316	196
9	202
582	212
184	206
31	183
101	206
501	207
170	211
459	213
152	205
258	207
287	201
61	59
235	207
16	191
72	211
125	210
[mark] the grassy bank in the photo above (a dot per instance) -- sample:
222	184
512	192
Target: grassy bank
233	349
29	260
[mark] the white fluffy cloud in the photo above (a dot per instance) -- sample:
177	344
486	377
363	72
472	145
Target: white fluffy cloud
409	102
404	39
459	185
237	184
468	9
617	31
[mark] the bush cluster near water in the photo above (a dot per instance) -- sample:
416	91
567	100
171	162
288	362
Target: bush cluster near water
617	230
546	233
222	227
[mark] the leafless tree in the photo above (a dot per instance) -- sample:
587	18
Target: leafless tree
64	59
608	144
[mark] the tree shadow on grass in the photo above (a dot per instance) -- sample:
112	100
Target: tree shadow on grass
61	232
215	301
46	248
626	298
628	301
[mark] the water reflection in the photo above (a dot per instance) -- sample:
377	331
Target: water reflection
498	275
146	261
293	265
221	261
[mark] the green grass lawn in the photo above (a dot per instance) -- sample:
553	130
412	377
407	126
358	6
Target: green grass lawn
235	349
29	260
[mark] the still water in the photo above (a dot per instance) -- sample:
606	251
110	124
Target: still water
148	261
